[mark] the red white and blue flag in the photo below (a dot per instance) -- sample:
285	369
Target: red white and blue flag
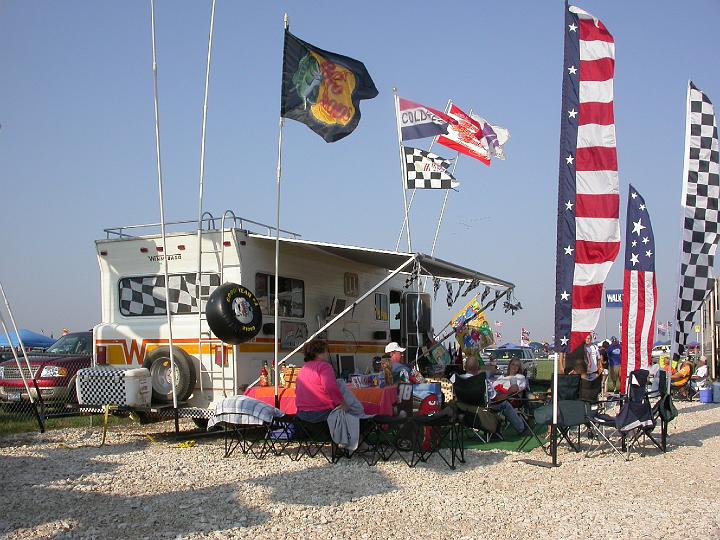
588	226
639	290
418	121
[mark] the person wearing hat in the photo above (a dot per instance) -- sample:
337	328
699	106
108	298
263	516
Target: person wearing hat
400	370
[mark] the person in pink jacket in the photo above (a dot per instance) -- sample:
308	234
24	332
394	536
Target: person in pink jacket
317	392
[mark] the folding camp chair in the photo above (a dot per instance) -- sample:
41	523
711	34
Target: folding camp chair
663	411
571	413
314	438
472	406
437	434
633	423
247	425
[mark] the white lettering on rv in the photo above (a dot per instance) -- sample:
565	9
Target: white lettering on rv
156	258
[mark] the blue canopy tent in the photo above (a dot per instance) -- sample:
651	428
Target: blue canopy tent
28	337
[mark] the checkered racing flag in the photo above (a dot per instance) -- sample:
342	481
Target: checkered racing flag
700	201
449	297
424	170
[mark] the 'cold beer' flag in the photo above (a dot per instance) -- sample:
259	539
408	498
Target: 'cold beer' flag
588	224
322	89
639	289
418	121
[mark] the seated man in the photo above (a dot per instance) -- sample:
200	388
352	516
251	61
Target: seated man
496	402
699	381
682	376
401	372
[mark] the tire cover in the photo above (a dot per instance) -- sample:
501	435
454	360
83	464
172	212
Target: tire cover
233	313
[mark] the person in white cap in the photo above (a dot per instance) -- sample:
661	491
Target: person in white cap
400	370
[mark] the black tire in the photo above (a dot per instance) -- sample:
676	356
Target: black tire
233	313
158	362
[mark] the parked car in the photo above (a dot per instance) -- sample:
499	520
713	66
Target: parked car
54	370
501	356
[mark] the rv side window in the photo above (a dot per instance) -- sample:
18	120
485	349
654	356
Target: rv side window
143	296
291	298
381	307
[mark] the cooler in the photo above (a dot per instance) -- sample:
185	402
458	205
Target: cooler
111	386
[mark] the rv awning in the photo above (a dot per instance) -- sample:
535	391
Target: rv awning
390	260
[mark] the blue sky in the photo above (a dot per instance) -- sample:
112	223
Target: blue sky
77	150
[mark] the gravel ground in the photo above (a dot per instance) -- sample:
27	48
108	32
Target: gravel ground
58	485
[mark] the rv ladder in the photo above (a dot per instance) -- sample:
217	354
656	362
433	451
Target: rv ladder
219	268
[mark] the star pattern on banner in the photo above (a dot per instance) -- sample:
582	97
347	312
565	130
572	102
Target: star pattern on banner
637	227
572	70
569	205
565	296
572	113
569	250
569	160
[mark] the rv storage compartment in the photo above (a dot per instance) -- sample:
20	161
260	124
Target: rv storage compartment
106	385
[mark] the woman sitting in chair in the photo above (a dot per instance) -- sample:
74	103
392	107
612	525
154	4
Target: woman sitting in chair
317	392
514	382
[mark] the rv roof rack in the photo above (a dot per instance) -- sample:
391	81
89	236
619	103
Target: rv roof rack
209	222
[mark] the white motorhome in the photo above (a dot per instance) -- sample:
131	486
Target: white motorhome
318	281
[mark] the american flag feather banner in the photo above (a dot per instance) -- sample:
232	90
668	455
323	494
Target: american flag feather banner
588	225
639	289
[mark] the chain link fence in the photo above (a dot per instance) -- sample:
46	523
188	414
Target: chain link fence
49	381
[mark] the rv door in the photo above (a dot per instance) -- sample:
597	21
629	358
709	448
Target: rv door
415	322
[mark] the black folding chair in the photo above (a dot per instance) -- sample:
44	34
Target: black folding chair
472	406
314	438
633	423
437	434
571	414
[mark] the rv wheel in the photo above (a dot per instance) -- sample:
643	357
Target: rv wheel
233	313
158	362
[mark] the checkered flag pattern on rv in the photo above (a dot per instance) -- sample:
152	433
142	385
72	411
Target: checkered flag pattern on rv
145	295
425	170
700	200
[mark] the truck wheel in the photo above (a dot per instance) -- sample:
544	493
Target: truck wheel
158	363
233	313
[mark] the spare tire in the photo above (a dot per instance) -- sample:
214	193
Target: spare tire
158	363
233	313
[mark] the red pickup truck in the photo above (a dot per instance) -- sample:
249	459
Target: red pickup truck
54	370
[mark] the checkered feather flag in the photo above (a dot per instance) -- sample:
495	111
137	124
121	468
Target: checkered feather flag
424	170
700	201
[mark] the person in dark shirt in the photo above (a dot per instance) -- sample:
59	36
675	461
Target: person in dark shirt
614	353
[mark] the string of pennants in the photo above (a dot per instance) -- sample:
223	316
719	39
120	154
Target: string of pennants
510	305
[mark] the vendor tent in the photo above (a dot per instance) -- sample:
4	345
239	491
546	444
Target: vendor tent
29	339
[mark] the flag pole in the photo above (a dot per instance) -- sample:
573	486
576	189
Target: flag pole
276	320
168	309
198	279
403	175
414	191
447	191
